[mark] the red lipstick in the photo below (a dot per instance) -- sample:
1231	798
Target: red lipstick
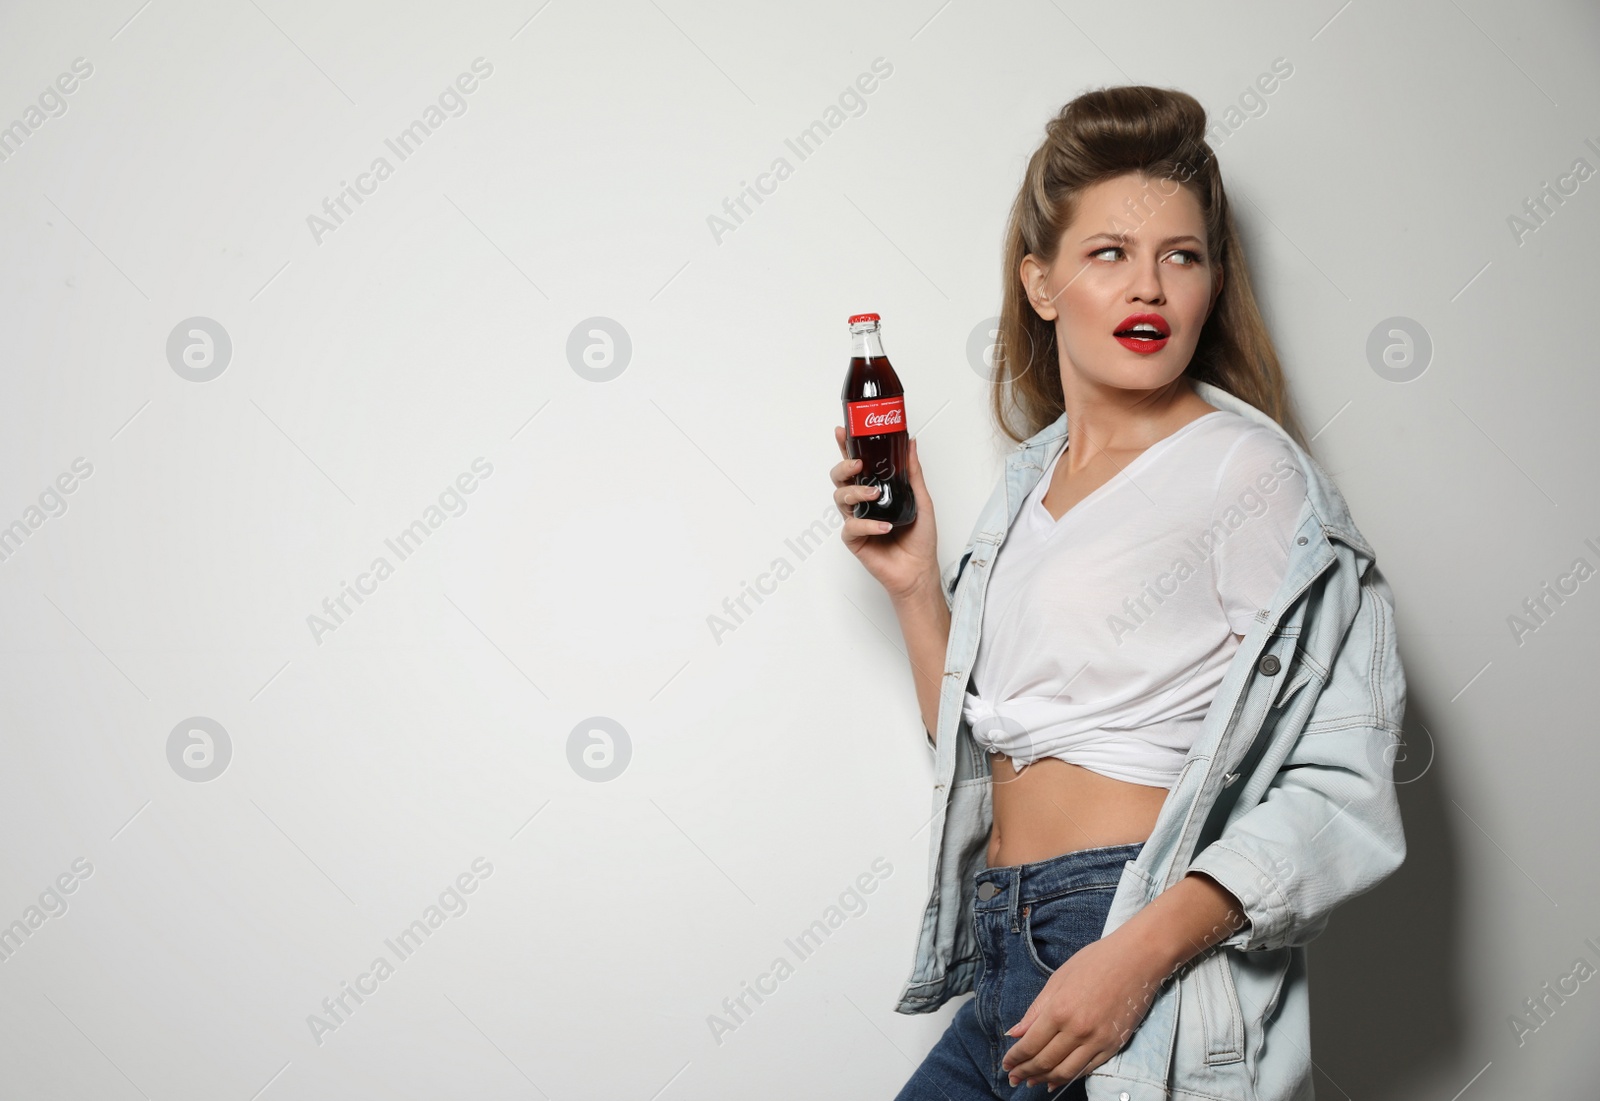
1145	333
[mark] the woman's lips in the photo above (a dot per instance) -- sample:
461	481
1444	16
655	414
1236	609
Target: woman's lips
1143	347
1145	333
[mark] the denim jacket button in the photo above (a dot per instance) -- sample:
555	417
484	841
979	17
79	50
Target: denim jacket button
1269	664
1301	541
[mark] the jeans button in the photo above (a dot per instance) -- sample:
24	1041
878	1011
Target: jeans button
987	890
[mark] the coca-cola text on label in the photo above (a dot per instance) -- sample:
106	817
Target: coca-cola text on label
870	418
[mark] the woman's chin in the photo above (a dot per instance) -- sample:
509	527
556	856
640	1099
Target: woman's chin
1148	373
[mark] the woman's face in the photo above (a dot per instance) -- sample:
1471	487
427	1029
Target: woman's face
1136	252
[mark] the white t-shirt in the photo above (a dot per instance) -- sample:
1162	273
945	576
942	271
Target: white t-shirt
1106	633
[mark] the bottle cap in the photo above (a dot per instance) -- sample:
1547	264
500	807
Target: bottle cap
864	317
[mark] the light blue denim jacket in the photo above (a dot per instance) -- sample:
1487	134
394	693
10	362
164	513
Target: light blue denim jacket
1286	799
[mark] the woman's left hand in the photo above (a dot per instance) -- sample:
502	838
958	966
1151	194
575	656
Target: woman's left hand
1085	1013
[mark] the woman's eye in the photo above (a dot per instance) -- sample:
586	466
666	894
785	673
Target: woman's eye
1192	257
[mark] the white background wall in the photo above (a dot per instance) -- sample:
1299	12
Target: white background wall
759	773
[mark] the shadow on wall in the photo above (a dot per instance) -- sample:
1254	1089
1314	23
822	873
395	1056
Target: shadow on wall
1385	1003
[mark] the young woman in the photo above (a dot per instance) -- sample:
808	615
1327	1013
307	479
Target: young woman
1157	533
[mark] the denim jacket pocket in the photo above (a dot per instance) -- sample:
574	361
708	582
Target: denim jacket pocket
1221	1022
1277	961
1299	672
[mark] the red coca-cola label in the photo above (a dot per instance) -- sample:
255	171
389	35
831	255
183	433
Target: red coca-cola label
877	417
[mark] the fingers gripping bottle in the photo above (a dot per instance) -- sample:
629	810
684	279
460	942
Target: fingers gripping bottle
875	426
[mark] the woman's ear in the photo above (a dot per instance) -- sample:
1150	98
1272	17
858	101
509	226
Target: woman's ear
1035	278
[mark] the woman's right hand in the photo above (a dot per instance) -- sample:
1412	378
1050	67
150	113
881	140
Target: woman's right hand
903	558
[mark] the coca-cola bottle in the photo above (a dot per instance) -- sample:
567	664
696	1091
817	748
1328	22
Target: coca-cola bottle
875	426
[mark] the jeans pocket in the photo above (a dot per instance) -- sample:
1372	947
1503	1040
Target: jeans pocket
1055	928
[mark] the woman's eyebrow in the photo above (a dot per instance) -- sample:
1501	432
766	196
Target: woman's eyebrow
1124	238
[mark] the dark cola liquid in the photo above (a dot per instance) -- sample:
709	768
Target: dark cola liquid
875	433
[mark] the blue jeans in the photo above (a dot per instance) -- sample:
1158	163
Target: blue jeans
1034	917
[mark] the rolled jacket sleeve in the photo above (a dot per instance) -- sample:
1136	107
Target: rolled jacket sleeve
1328	827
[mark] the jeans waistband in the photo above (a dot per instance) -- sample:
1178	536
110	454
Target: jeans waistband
1019	883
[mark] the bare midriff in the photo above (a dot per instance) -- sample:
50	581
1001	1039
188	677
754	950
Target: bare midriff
1053	807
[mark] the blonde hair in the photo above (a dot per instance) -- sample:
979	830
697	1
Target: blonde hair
1102	134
